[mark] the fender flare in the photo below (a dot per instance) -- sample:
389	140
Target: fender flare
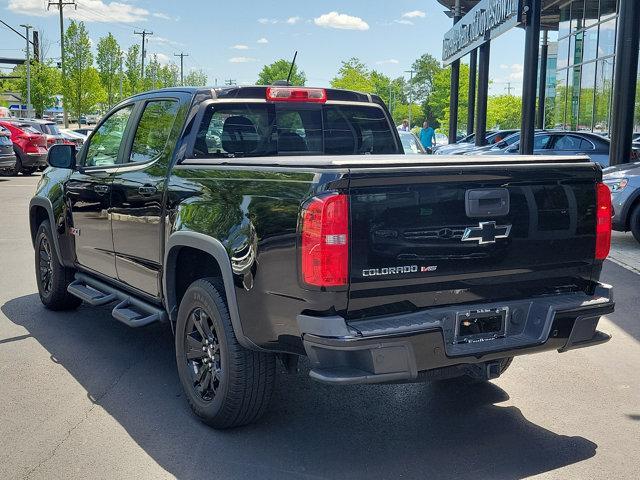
48	206
214	248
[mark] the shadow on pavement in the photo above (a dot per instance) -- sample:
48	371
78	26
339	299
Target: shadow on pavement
311	430
626	286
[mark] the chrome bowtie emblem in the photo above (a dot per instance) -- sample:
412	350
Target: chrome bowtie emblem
486	232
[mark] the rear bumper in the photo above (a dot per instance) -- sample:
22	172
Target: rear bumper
34	160
399	348
7	161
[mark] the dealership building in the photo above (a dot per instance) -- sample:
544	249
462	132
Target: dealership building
586	49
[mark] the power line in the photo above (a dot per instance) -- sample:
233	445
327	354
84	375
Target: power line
230	81
181	55
144	34
508	88
60	4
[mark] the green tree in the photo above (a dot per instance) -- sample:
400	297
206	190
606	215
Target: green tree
426	68
108	62
436	108
82	89
504	111
168	76
353	75
46	81
86	96
195	78
279	70
132	69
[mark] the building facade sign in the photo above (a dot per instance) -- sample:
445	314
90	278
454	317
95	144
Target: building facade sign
487	20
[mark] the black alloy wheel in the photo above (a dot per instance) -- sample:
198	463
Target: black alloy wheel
202	354
45	265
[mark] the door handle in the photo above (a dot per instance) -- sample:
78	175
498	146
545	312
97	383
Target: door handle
147	190
101	189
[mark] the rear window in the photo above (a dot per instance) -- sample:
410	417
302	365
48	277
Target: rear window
50	128
252	130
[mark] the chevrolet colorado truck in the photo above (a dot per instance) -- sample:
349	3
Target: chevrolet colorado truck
265	223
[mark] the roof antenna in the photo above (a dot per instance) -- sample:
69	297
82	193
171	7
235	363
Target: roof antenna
293	63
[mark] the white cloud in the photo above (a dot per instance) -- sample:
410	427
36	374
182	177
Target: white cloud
517	71
88	11
504	66
414	14
162	58
265	21
161	15
293	20
241	60
403	22
390	61
262	40
240	47
164	41
341	21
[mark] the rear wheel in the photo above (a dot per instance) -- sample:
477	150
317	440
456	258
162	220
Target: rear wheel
51	276
634	222
226	384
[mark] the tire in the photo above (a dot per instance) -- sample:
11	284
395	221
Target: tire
17	168
52	278
28	171
228	385
634	223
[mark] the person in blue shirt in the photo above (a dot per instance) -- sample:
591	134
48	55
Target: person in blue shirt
427	137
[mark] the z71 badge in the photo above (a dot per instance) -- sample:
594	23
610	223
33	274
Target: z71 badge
379	272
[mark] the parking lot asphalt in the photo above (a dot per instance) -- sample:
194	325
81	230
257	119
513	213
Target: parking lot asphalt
83	396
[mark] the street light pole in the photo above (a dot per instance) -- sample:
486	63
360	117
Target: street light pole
27	28
410	72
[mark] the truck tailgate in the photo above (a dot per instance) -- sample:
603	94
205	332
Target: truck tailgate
423	236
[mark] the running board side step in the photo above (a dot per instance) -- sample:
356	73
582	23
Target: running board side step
131	311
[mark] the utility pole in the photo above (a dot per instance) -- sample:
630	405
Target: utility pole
410	72
60	4
508	88
144	34
230	81
27	28
181	55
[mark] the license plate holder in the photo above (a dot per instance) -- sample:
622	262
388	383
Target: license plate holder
480	325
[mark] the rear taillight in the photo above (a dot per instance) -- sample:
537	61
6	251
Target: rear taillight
603	221
296	94
325	241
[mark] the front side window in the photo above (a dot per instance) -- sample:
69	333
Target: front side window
254	129
154	128
104	145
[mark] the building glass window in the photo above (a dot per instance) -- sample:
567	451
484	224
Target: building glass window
604	85
561	100
591	12
563	53
575	49
577	15
607	9
607	43
590	44
574	98
585	117
565	18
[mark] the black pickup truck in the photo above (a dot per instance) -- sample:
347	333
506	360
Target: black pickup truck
279	222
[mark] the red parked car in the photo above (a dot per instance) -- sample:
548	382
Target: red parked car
30	147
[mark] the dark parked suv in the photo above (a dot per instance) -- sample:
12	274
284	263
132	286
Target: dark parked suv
7	155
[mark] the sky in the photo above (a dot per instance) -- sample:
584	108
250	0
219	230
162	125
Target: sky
233	40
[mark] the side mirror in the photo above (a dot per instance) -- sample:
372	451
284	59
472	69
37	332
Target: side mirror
62	156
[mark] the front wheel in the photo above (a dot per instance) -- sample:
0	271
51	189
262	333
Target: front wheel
634	223
226	384
51	276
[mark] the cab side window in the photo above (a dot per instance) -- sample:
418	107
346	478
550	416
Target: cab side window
104	145
154	128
